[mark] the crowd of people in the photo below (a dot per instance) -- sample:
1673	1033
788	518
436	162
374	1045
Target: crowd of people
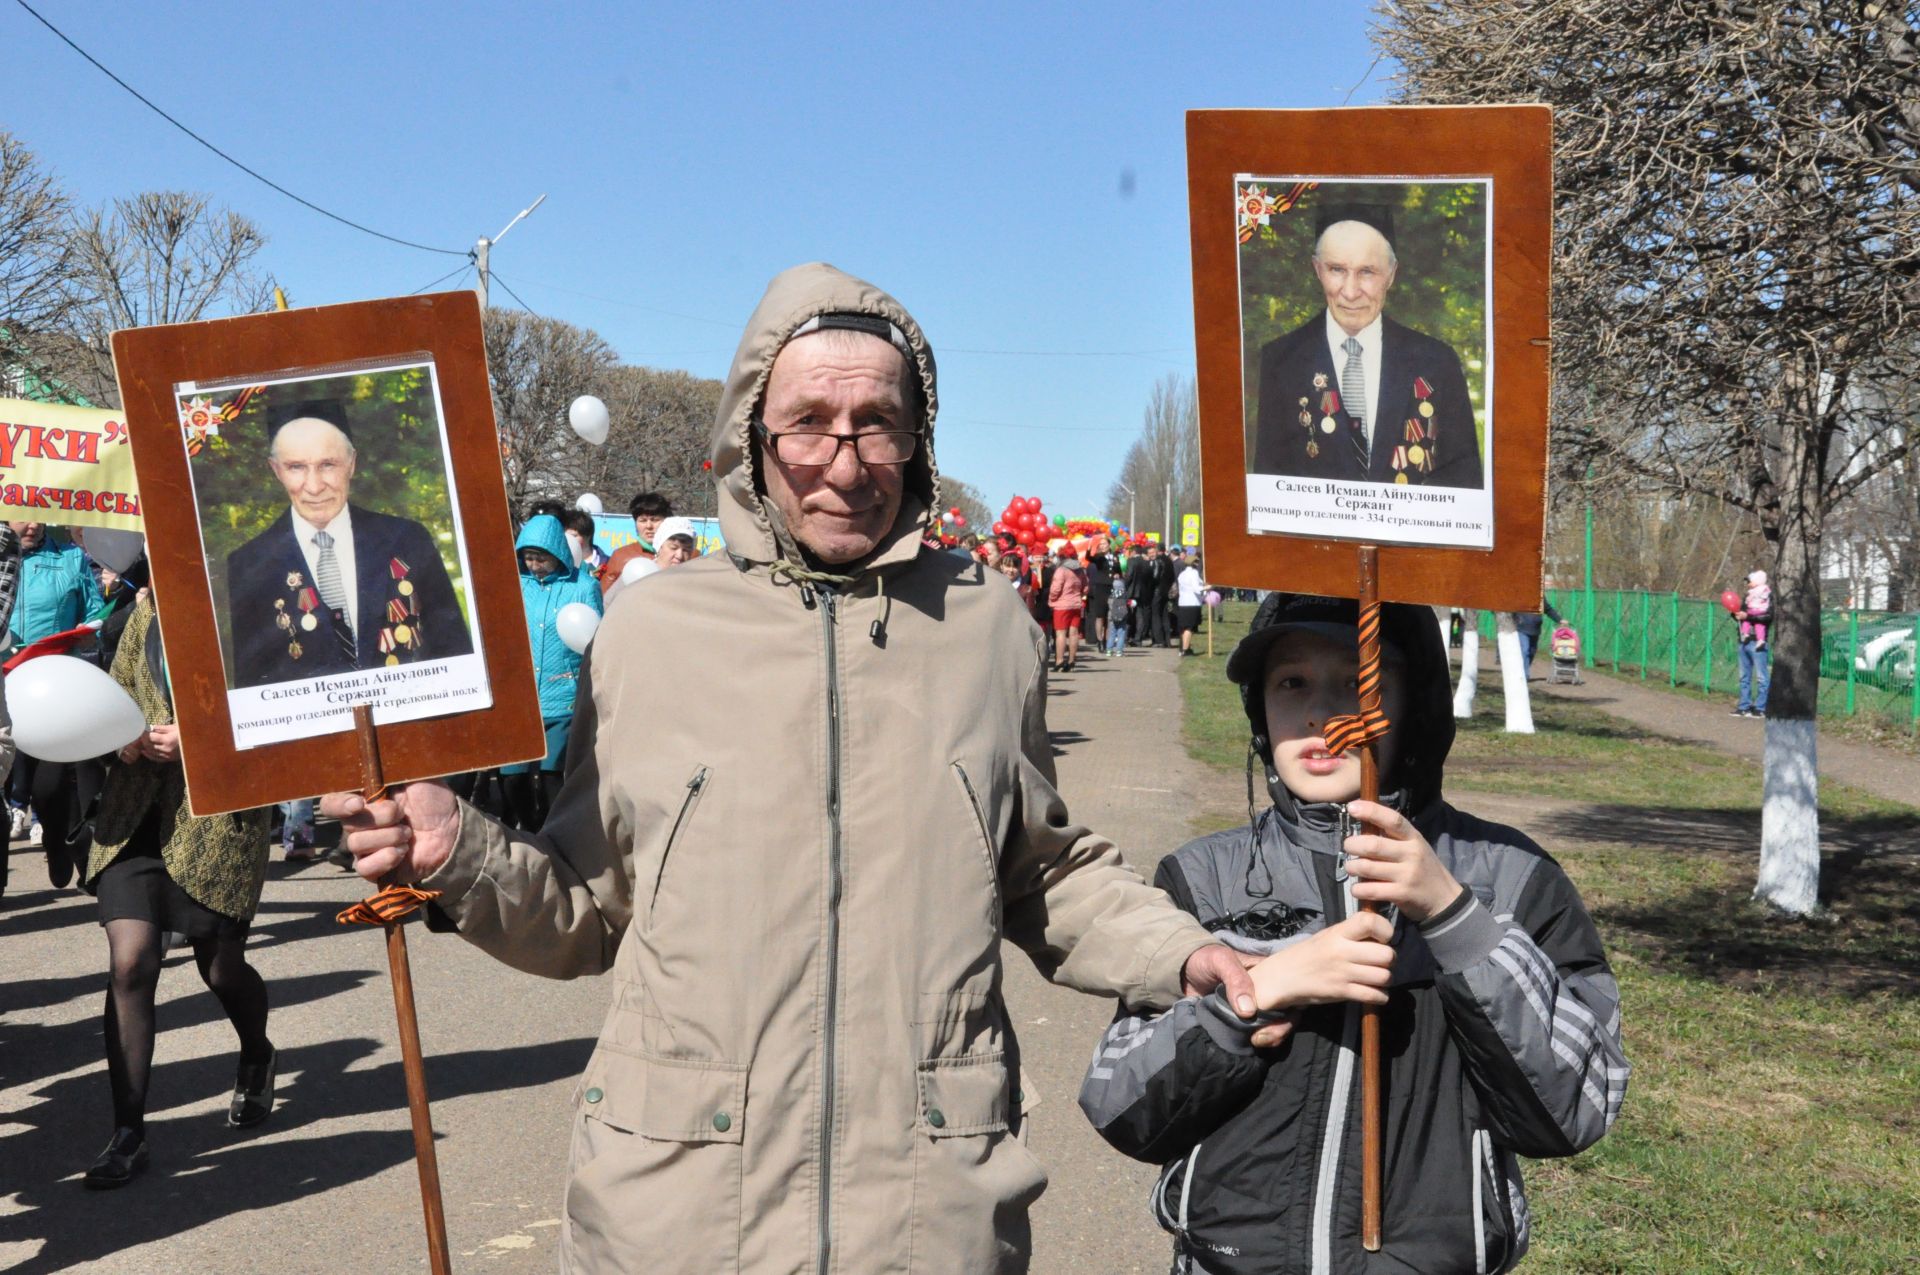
1102	599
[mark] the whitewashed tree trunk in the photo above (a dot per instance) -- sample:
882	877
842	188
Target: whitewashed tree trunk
1790	817
1469	664
1513	678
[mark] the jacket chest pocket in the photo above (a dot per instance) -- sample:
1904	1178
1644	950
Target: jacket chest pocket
657	1165
689	802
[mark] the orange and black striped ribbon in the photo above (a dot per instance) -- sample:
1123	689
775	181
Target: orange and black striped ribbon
1352	730
392	905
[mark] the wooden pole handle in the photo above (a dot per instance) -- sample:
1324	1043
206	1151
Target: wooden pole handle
1372	1166
373	786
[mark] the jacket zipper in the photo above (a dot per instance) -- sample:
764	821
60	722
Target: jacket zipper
828	606
695	786
1340	1093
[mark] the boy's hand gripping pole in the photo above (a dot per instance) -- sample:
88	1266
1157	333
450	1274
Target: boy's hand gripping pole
390	909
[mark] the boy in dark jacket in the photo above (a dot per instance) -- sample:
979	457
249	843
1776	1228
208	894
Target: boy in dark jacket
1500	1017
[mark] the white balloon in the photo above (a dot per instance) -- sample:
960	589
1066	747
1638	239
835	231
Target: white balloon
589	502
112	548
575	624
638	569
588	416
65	709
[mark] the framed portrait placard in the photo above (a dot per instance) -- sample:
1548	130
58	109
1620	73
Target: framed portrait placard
327	527
1371	316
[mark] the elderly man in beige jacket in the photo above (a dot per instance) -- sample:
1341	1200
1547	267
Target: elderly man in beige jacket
799	857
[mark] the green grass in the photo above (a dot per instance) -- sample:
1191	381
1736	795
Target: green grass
1773	1122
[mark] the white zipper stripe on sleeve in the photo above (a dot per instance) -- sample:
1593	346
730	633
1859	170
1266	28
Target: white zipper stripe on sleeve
1479	1204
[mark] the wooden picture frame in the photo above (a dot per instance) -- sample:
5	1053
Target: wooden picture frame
1505	151
300	348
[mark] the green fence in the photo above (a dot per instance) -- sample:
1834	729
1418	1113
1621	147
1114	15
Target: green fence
1866	657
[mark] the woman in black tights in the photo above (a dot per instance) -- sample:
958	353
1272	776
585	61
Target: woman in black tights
156	868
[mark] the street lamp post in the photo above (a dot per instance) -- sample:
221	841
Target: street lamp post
484	246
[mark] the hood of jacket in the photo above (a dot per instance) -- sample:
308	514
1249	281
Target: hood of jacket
544	532
751	526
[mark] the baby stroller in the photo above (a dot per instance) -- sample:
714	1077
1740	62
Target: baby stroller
1566	655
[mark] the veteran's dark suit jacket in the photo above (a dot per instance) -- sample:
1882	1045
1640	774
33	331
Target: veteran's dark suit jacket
258	576
1289	366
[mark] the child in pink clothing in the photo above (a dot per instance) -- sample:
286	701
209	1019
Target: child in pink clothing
1759	610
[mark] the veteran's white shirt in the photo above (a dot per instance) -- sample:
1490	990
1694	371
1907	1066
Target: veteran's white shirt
341	529
1370	338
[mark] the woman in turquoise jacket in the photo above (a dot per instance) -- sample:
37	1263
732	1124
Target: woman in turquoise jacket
549	581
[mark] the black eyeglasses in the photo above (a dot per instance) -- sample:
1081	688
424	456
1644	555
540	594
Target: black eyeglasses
818	449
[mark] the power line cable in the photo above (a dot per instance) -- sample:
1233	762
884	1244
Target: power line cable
462	268
494	276
267	181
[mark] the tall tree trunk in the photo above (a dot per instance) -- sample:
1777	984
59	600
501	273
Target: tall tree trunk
1513	676
1790	812
1469	664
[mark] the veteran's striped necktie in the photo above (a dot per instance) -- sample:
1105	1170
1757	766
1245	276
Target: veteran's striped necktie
333	592
1353	393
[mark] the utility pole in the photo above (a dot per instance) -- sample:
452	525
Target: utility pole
483	246
1166	533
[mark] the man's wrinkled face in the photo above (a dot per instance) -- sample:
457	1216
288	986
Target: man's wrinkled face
1355	267
30	533
840	383
1311	677
314	461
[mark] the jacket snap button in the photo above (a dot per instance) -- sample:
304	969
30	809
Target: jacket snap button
594	1094
936	1118
1018	1096
722	1121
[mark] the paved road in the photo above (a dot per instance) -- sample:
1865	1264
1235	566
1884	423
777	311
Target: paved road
328	1184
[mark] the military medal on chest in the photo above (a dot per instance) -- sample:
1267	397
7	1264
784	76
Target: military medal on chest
1417	454
309	603
402	631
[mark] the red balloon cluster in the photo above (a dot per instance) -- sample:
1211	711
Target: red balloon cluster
1023	520
954	519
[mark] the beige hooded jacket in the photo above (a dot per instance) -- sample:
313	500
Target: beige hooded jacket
797	845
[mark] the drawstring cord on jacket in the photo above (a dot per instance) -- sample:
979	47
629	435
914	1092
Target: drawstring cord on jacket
878	631
805	576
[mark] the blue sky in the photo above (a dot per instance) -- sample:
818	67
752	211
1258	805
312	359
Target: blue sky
1014	173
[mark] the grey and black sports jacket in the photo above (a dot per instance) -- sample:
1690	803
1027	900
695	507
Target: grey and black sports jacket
1501	1038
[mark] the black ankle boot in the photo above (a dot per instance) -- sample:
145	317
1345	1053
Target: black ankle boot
253	1092
124	1160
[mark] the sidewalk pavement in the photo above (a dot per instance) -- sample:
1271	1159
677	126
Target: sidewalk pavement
1885	772
328	1183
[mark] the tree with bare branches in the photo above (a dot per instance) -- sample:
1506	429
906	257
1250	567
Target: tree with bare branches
159	257
1737	264
1167	452
538	366
36	262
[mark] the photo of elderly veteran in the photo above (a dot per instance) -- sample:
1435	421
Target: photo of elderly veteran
330	586
1350	394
